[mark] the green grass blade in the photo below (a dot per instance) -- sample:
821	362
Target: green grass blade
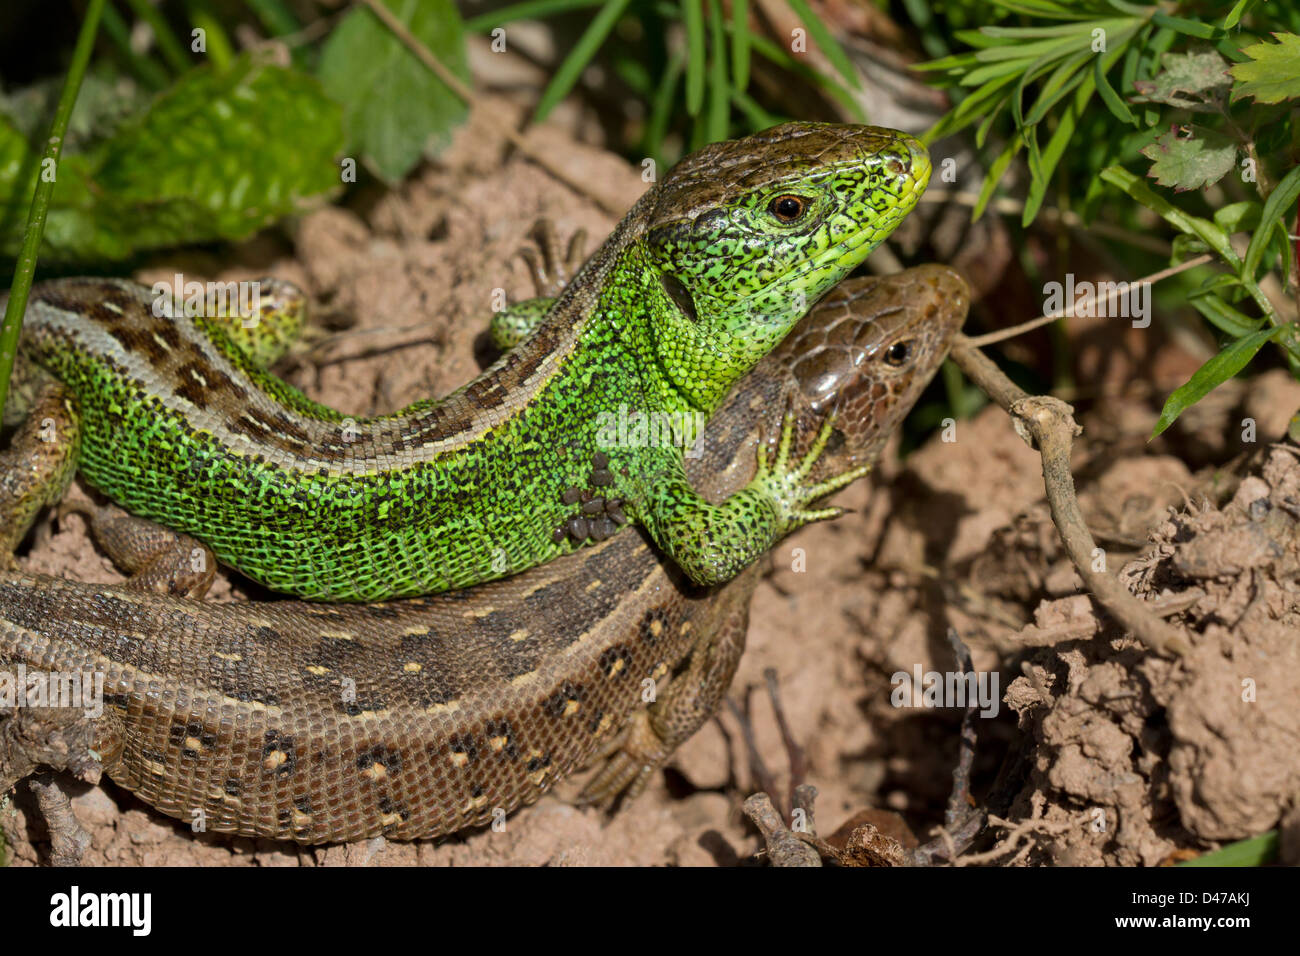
982	132
146	70
1056	147
826	42
1191	28
740	44
275	16
994	176
1118	108
661	108
1279	201
1046	50
1211	375
529	10
581	54
1235	14
758	117
1042	8
994	71
1203	229
970	109
1213	300
1063	79
831	84
719	87
25	268
693	18
169	46
220	51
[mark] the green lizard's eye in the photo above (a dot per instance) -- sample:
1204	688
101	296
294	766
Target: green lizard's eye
788	208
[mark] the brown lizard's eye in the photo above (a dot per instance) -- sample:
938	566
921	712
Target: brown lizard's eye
787	208
897	354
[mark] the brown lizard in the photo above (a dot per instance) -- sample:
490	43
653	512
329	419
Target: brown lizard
318	723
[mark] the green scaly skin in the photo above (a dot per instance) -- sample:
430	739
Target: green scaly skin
706	274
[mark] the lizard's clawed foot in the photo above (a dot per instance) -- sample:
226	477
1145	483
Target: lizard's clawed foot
158	559
551	272
629	768
783	480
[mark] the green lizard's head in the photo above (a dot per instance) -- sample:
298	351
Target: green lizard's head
744	236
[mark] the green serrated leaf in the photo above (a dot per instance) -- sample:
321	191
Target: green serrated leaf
1272	74
1190	81
1211	375
247	144
395	110
218	156
1190	162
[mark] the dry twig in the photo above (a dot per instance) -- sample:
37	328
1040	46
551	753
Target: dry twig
1047	423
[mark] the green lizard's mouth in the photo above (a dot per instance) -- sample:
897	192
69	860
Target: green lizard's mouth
836	261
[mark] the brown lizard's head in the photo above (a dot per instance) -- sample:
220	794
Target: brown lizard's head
866	352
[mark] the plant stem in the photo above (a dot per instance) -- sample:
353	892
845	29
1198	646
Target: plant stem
26	265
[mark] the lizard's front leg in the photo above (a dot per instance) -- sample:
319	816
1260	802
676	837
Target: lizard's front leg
713	543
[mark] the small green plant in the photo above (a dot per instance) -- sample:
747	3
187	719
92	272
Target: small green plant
1203	103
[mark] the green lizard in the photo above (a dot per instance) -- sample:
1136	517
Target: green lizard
710	269
462	706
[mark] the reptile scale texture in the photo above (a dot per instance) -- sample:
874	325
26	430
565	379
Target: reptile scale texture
321	723
707	273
